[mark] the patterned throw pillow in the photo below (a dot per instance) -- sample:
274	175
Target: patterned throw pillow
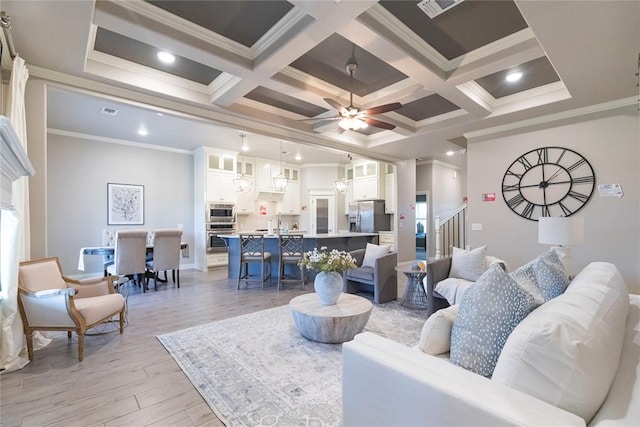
551	277
468	265
525	276
489	311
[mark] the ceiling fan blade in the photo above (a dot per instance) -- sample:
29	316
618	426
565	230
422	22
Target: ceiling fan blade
383	108
319	118
378	123
335	104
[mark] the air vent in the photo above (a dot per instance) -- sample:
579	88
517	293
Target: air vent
434	8
109	111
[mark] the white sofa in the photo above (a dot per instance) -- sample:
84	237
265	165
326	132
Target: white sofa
574	351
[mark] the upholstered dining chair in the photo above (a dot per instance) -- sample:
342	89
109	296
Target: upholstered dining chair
166	255
291	252
49	301
130	256
252	252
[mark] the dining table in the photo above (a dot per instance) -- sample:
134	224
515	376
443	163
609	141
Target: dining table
108	252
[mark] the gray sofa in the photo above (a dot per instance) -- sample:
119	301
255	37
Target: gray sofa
381	278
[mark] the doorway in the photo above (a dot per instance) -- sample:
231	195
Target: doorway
422	226
323	212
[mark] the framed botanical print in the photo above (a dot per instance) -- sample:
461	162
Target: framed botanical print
125	204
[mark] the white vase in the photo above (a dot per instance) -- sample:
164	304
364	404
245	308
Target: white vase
328	287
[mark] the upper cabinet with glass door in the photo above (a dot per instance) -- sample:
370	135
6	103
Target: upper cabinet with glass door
221	162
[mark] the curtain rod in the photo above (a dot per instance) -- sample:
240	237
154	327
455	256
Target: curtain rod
5	23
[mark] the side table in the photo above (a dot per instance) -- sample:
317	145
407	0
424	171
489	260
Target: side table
330	324
414	295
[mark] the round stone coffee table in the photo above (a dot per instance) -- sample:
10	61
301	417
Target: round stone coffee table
331	324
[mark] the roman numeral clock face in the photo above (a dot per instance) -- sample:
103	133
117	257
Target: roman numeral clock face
548	181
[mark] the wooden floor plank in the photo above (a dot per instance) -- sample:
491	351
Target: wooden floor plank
130	379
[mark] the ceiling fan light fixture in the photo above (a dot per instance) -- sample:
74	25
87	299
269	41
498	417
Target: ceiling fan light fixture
352	124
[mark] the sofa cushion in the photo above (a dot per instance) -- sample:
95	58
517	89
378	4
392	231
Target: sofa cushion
566	352
551	276
436	333
489	311
453	289
468	264
373	252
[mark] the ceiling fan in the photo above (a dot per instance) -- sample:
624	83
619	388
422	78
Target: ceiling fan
352	118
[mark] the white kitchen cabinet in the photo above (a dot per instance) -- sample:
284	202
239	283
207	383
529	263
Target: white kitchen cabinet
246	202
390	193
290	203
368	182
246	167
220	187
221	162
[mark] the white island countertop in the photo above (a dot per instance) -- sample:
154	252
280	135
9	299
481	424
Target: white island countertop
305	235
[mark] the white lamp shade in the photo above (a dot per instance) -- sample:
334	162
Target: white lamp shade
562	231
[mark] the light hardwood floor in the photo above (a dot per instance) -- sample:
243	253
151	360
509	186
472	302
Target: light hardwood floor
130	379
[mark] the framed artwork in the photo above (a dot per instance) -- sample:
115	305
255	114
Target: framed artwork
125	204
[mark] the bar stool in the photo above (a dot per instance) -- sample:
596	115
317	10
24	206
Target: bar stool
252	251
291	252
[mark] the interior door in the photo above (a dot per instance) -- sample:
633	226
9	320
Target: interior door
323	213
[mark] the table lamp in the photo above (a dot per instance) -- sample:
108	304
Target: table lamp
561	232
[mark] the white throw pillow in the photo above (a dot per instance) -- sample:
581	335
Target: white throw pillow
566	352
373	252
435	338
453	289
468	264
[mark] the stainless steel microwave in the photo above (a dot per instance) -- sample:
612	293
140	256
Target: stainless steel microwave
221	212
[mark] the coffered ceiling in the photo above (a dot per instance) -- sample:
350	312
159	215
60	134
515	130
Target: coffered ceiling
266	67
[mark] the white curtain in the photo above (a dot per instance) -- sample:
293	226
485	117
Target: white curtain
14	226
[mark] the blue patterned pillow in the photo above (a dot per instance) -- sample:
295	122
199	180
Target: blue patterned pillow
489	311
551	277
525	276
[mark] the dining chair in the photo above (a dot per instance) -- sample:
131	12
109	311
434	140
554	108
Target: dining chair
291	253
130	257
166	255
50	301
252	252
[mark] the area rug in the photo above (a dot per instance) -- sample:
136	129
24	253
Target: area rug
257	370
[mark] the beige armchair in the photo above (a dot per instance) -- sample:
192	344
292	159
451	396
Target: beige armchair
49	301
381	278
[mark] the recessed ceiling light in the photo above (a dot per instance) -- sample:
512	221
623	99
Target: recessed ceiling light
159	114
298	156
514	76
143	132
449	153
166	57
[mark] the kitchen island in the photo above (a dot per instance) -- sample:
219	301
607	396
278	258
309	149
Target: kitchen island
347	241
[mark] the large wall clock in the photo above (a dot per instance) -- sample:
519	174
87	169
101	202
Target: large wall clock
548	181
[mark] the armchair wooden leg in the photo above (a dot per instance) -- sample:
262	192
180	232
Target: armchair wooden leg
29	336
122	322
80	346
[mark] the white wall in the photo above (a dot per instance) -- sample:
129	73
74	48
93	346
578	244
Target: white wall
610	142
78	171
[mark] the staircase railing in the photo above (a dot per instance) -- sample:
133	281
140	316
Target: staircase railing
451	231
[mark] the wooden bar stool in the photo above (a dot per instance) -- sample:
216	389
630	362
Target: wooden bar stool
252	251
291	252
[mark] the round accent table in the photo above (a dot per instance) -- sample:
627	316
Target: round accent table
414	295
330	324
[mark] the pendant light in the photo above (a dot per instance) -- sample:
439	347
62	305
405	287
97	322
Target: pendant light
242	183
280	182
341	185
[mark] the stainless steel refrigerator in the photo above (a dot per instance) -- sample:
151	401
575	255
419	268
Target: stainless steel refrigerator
368	217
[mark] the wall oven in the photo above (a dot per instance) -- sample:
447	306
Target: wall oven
216	244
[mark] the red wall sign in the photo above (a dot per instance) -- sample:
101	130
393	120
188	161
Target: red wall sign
489	197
